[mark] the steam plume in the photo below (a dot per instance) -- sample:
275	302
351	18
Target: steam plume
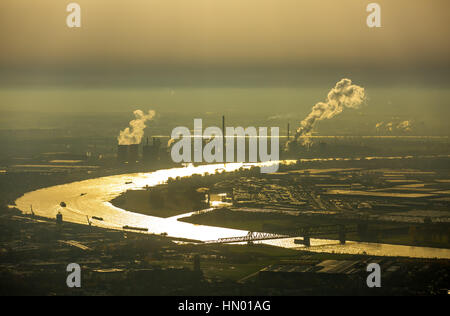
170	142
379	125
390	126
343	95
405	126
133	134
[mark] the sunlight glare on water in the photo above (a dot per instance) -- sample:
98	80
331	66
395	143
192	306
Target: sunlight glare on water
92	198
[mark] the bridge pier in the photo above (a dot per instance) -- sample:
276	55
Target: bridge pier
342	237
305	241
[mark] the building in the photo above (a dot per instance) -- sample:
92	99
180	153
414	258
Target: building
133	154
322	273
122	153
128	154
151	153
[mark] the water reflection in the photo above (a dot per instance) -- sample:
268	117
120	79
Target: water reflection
375	249
89	198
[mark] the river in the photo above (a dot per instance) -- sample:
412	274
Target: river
92	197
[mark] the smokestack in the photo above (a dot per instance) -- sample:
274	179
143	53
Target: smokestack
288	131
223	137
122	153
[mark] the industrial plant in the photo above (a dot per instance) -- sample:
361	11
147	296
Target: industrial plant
148	154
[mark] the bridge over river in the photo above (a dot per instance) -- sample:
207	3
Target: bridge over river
305	232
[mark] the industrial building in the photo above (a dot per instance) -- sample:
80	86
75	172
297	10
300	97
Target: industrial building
318	273
152	153
128	153
122	153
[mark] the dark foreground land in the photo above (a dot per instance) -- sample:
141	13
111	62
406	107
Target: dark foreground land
35	252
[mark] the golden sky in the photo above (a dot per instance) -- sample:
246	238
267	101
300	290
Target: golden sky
225	32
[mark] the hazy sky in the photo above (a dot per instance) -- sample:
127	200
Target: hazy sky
224	55
415	33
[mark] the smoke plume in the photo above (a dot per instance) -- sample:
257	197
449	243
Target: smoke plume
133	134
379	125
343	95
404	126
170	142
390	126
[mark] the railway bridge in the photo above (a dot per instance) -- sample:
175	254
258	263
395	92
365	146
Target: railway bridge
305	232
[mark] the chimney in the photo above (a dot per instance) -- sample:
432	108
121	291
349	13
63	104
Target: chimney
223	137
